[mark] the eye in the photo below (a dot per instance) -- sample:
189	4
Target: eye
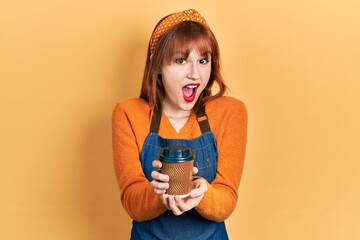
204	61
180	60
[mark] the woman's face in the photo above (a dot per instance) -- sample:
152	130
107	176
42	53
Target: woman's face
184	78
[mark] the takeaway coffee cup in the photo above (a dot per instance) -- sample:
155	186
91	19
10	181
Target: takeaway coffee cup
177	162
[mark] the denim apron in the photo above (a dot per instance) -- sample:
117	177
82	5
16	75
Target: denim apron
189	225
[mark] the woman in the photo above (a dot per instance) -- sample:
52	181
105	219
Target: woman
176	107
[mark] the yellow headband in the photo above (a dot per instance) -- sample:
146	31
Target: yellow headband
172	20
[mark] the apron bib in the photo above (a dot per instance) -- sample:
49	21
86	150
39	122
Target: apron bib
189	225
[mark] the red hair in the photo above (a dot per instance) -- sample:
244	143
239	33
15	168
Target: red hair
185	37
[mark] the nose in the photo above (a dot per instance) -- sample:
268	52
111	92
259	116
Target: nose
193	71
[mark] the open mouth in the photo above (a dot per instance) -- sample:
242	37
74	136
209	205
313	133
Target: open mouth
189	92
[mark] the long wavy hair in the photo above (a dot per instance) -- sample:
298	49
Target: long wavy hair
184	36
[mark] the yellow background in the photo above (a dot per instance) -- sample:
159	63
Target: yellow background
64	65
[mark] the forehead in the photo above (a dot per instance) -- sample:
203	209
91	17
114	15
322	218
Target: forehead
200	45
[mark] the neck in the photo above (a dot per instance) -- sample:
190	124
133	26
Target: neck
173	113
178	121
178	117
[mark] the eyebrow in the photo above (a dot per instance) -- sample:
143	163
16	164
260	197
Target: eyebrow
205	54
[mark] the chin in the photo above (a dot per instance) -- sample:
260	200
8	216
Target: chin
188	106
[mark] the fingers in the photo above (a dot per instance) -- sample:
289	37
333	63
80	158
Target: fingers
195	170
159	187
156	164
173	205
158	176
182	206
199	189
197	192
164	199
178	205
159	182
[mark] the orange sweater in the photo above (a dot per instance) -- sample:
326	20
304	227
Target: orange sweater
131	123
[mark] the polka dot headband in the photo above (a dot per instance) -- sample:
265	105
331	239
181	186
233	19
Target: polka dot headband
172	20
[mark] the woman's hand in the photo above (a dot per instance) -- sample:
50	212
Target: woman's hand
160	181
178	205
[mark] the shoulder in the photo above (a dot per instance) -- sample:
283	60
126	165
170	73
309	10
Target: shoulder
227	117
226	111
131	103
132	108
225	105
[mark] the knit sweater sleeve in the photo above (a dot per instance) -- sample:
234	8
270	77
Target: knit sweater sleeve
137	194
220	199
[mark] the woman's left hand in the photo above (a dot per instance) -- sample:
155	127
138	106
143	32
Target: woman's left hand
178	205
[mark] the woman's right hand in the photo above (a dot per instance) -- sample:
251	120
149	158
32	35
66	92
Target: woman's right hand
160	181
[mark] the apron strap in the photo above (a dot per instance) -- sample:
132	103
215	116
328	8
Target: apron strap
155	121
201	118
203	121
